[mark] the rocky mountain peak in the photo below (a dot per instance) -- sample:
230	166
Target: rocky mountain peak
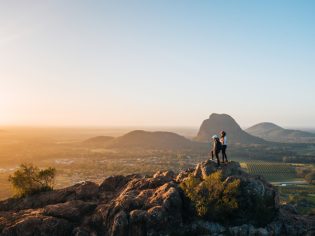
218	122
220	116
154	205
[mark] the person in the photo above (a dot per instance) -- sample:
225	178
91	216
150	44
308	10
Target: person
216	148
223	140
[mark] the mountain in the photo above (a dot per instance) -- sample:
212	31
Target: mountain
151	140
138	205
275	133
218	122
98	140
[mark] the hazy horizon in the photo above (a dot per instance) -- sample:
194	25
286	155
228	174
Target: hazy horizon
164	63
134	127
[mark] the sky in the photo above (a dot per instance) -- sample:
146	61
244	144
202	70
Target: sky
156	63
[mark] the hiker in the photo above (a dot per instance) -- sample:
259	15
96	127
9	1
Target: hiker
216	148
223	140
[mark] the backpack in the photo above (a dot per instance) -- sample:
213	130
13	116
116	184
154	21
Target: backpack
218	145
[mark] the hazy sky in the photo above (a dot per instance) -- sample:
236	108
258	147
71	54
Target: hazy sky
156	62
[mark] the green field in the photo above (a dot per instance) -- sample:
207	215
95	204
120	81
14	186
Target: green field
292	189
272	171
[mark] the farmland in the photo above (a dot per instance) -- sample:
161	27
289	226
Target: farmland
292	189
272	171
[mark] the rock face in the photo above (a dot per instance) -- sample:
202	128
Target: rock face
218	122
138	206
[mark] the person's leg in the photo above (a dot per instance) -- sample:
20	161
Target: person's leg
217	156
225	156
223	153
211	154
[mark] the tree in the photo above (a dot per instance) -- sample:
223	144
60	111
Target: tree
29	179
310	177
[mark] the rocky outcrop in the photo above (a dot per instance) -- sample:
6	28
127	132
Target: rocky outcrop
257	195
137	206
82	191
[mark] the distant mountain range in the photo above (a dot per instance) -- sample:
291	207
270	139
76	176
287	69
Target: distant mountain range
145	140
218	122
168	140
151	140
275	133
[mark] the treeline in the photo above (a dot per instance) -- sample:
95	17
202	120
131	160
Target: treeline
308	173
305	159
286	153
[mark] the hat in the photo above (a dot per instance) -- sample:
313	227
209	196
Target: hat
215	136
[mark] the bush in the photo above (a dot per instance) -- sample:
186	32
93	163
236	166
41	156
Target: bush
301	172
212	198
29	179
310	177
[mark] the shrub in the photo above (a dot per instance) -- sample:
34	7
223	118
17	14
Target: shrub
212	198
29	179
310	177
302	171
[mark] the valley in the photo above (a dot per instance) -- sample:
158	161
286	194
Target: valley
93	154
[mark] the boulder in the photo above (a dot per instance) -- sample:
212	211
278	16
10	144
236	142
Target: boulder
113	183
208	167
258	201
71	210
82	191
138	222
119	226
184	174
169	174
38	225
205	169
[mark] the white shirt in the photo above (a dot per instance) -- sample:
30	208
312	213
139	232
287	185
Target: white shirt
224	141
